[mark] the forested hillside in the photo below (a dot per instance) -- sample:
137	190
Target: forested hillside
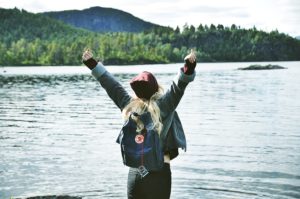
35	39
100	19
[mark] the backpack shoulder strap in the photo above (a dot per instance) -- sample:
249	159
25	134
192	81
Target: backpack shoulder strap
147	120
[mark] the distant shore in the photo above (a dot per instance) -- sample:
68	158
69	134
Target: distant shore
199	62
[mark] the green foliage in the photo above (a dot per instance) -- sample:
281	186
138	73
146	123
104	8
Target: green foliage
34	39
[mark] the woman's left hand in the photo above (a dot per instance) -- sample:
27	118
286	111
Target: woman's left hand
88	60
87	55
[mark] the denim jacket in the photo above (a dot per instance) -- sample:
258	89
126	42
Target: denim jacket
172	134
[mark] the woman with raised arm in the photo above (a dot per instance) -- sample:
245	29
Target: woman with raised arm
162	108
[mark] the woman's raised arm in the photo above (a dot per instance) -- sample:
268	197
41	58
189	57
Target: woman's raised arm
170	100
113	88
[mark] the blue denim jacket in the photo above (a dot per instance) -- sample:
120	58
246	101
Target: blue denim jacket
172	135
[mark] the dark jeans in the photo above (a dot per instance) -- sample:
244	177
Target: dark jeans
156	185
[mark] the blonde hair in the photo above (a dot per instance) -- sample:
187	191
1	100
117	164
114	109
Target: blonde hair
140	106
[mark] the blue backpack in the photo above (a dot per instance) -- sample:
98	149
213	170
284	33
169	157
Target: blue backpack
141	150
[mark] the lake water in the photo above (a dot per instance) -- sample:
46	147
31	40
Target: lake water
58	130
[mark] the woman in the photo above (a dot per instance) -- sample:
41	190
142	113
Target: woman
162	107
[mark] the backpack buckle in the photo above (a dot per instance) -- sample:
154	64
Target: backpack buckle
143	171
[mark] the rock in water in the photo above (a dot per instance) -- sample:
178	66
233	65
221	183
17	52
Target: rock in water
261	67
53	197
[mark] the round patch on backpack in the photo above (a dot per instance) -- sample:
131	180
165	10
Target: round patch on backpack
139	139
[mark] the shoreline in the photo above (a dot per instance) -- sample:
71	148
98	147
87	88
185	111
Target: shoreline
120	65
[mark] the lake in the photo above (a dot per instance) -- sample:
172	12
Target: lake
58	130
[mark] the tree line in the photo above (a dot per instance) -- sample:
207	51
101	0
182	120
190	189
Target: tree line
33	39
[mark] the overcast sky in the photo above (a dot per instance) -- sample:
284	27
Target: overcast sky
283	15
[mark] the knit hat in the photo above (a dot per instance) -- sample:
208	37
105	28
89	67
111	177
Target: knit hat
144	85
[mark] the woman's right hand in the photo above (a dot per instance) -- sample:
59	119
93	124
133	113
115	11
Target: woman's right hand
190	63
191	58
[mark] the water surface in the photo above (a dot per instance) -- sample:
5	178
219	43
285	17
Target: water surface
58	130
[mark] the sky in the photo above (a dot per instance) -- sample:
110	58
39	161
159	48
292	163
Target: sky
267	15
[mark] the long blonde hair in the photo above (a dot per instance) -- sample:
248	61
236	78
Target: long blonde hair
140	106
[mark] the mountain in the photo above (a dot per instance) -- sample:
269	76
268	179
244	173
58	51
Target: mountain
36	39
297	37
100	19
16	24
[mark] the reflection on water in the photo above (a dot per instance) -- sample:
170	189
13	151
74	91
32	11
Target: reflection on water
58	131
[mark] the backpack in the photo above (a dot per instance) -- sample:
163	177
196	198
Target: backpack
143	149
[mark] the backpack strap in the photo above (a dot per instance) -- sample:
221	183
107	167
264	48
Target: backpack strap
145	118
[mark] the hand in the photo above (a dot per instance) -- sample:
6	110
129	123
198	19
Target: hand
87	54
190	63
88	60
191	58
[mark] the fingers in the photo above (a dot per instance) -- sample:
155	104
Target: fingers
87	55
191	57
186	57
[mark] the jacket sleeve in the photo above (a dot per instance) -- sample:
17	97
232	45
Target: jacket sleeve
113	88
170	100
